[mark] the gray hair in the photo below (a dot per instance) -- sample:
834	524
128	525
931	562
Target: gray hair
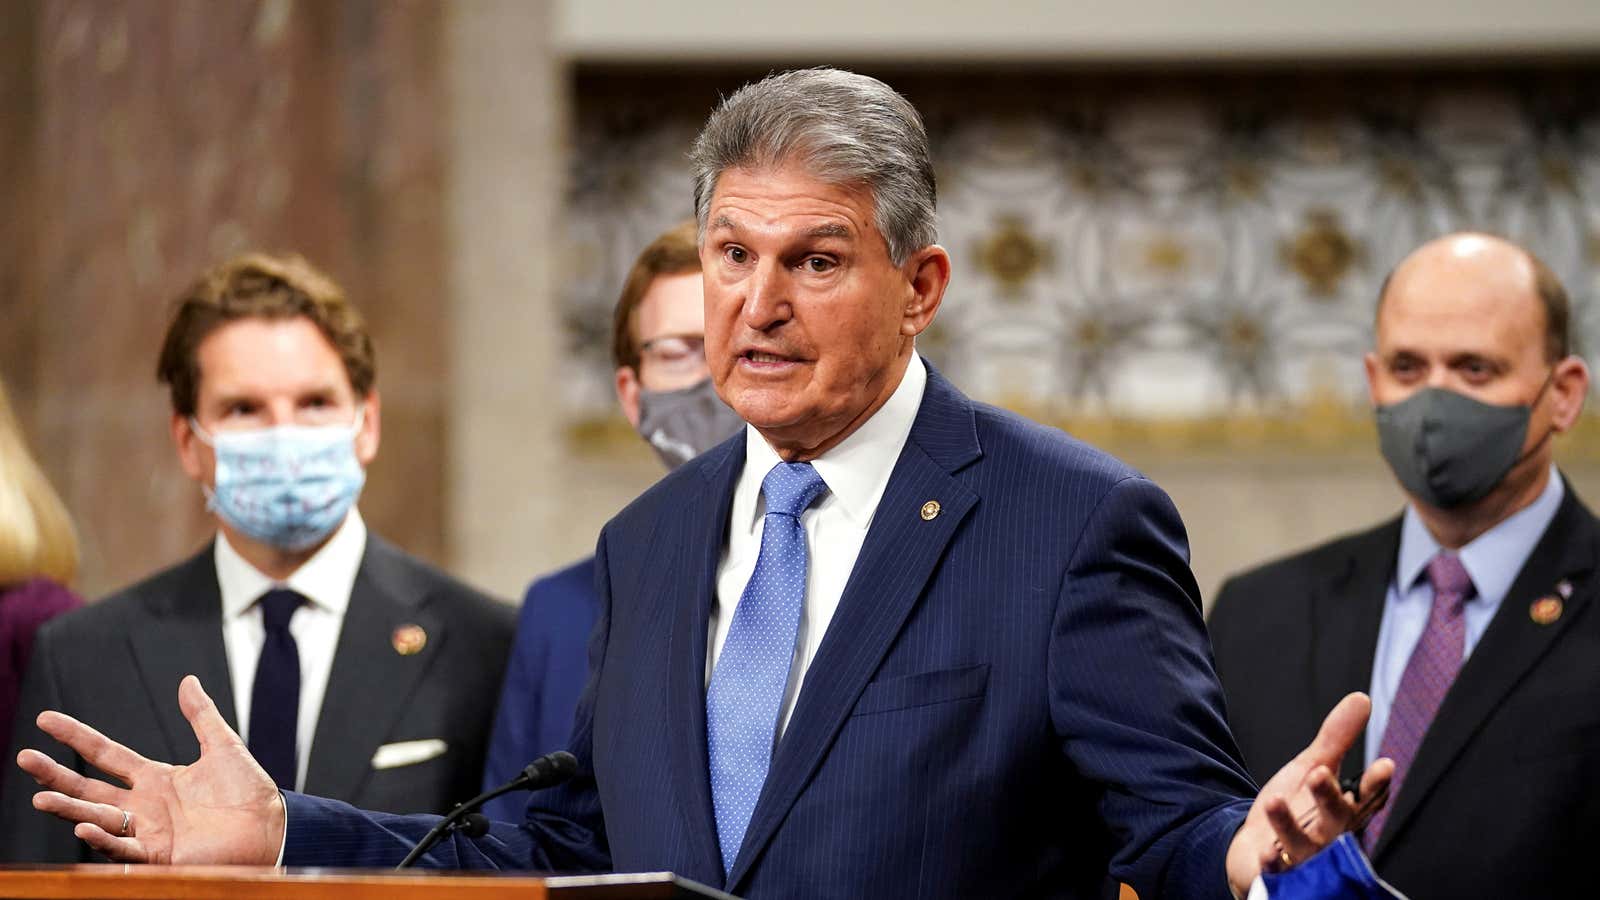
846	129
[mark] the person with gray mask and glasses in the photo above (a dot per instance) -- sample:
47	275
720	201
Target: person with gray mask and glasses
1467	616
665	391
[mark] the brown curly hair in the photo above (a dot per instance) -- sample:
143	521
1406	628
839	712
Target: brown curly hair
258	285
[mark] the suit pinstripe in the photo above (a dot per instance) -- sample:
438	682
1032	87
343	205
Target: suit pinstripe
1013	698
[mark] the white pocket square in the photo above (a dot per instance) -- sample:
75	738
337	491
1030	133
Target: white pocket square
407	753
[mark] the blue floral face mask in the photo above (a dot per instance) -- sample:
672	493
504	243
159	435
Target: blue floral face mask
288	486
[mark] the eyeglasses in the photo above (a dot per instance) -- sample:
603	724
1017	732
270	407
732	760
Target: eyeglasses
675	355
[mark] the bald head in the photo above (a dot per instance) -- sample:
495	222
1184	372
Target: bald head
1475	316
1468	273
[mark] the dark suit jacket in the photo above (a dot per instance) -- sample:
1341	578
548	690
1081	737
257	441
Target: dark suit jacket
116	664
1503	798
1014	695
543	679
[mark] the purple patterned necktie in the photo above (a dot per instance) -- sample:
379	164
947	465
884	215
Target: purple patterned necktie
1429	672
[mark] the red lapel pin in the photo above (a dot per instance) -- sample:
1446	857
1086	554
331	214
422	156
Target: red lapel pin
1545	610
409	640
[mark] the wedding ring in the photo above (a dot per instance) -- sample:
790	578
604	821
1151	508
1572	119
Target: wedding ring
1283	857
126	818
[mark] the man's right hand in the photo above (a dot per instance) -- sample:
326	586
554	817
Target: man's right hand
223	808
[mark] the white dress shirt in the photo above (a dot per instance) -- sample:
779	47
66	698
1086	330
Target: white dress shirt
325	581
857	472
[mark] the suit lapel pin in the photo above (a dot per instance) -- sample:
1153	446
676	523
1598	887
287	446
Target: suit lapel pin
930	510
1545	610
409	640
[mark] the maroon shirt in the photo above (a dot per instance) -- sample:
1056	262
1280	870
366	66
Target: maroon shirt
23	608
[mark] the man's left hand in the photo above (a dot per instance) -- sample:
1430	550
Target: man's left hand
1301	809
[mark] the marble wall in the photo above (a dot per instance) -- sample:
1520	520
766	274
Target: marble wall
145	141
516	494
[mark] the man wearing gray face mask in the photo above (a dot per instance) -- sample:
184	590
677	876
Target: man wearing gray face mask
658	345
1467	618
665	391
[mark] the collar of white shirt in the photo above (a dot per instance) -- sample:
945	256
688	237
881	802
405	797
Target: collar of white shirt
325	580
856	471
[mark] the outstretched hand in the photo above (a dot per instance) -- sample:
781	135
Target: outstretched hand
223	808
1300	810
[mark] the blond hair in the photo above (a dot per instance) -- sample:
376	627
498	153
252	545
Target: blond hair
36	534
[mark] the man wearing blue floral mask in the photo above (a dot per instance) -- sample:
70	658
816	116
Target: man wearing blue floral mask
345	662
1467	616
665	391
278	433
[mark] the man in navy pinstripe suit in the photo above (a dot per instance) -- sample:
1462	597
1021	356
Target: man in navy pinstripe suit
999	682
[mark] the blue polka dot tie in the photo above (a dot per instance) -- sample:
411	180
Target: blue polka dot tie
750	677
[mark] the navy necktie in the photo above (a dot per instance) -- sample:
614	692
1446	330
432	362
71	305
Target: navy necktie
275	698
752	673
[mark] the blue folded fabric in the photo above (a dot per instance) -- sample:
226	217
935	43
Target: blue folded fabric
1341	871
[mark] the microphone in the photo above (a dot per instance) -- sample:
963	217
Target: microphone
546	771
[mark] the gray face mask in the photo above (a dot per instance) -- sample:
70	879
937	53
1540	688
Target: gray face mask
680	425
1448	449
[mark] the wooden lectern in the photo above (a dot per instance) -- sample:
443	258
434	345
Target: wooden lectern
119	882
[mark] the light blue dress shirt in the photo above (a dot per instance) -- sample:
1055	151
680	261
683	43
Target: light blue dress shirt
1493	559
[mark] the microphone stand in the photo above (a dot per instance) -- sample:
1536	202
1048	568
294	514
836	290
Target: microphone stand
546	771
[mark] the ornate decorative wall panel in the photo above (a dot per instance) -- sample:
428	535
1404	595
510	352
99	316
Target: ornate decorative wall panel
1183	260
